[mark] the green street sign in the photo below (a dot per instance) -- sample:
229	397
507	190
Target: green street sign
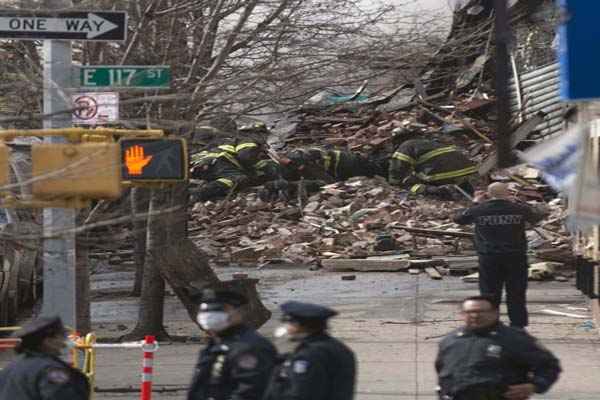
125	76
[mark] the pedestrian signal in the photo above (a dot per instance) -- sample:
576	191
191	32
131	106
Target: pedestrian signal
159	160
84	170
135	161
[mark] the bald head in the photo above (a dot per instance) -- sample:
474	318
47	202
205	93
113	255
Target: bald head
498	190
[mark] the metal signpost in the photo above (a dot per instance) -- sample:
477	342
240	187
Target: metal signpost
59	224
130	77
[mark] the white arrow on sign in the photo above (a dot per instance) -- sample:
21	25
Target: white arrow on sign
94	25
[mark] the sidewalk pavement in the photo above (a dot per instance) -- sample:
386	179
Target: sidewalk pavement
378	314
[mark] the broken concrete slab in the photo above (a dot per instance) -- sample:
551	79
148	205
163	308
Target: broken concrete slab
365	265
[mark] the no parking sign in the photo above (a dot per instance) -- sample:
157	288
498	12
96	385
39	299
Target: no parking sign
95	108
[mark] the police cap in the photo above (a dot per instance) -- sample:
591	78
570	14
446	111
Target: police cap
210	299
296	311
41	328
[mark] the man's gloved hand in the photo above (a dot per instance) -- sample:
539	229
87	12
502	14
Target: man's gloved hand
410	180
313	185
442	192
274	190
210	191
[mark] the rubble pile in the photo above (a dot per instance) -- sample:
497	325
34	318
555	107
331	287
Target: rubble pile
360	127
343	226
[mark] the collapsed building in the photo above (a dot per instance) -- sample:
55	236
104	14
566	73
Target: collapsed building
453	97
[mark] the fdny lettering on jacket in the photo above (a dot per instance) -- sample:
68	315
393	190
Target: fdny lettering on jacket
510	219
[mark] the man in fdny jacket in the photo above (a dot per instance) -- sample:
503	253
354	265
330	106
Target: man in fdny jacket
501	244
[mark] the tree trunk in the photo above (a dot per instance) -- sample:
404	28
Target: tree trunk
185	266
150	315
139	205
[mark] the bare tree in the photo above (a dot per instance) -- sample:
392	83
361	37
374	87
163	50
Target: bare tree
243	57
151	309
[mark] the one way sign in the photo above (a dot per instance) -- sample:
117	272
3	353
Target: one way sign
81	25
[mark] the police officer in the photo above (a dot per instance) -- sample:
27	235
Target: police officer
427	167
237	362
502	247
38	373
321	367
486	360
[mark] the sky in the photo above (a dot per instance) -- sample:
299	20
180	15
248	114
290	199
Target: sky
442	9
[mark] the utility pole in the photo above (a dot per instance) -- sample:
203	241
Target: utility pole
502	35
59	223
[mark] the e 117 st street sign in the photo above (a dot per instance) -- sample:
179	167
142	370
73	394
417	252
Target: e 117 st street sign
141	77
80	25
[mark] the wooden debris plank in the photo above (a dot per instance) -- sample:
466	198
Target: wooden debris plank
436	232
389	257
423	264
433	273
365	265
473	278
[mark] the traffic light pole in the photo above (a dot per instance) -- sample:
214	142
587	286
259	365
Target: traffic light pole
59	223
502	31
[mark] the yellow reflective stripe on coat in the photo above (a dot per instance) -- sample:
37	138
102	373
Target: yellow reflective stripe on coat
262	163
448	175
337	161
227	147
243	146
226	182
403	157
203	155
434	153
231	159
415	188
326	162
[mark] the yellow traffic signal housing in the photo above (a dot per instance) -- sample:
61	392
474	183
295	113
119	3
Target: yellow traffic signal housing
84	170
154	160
4	166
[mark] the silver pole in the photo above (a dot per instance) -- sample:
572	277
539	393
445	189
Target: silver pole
59	249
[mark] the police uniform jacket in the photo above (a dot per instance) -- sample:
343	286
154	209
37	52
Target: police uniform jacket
236	368
321	368
499	225
498	357
38	376
430	162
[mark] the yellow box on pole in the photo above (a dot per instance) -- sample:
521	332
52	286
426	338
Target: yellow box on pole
85	170
4	165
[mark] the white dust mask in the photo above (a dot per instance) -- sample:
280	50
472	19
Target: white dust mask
213	320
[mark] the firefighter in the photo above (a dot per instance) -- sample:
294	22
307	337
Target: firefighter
222	171
327	165
429	167
250	147
231	167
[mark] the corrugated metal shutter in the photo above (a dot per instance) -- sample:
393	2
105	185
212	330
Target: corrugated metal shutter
539	91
